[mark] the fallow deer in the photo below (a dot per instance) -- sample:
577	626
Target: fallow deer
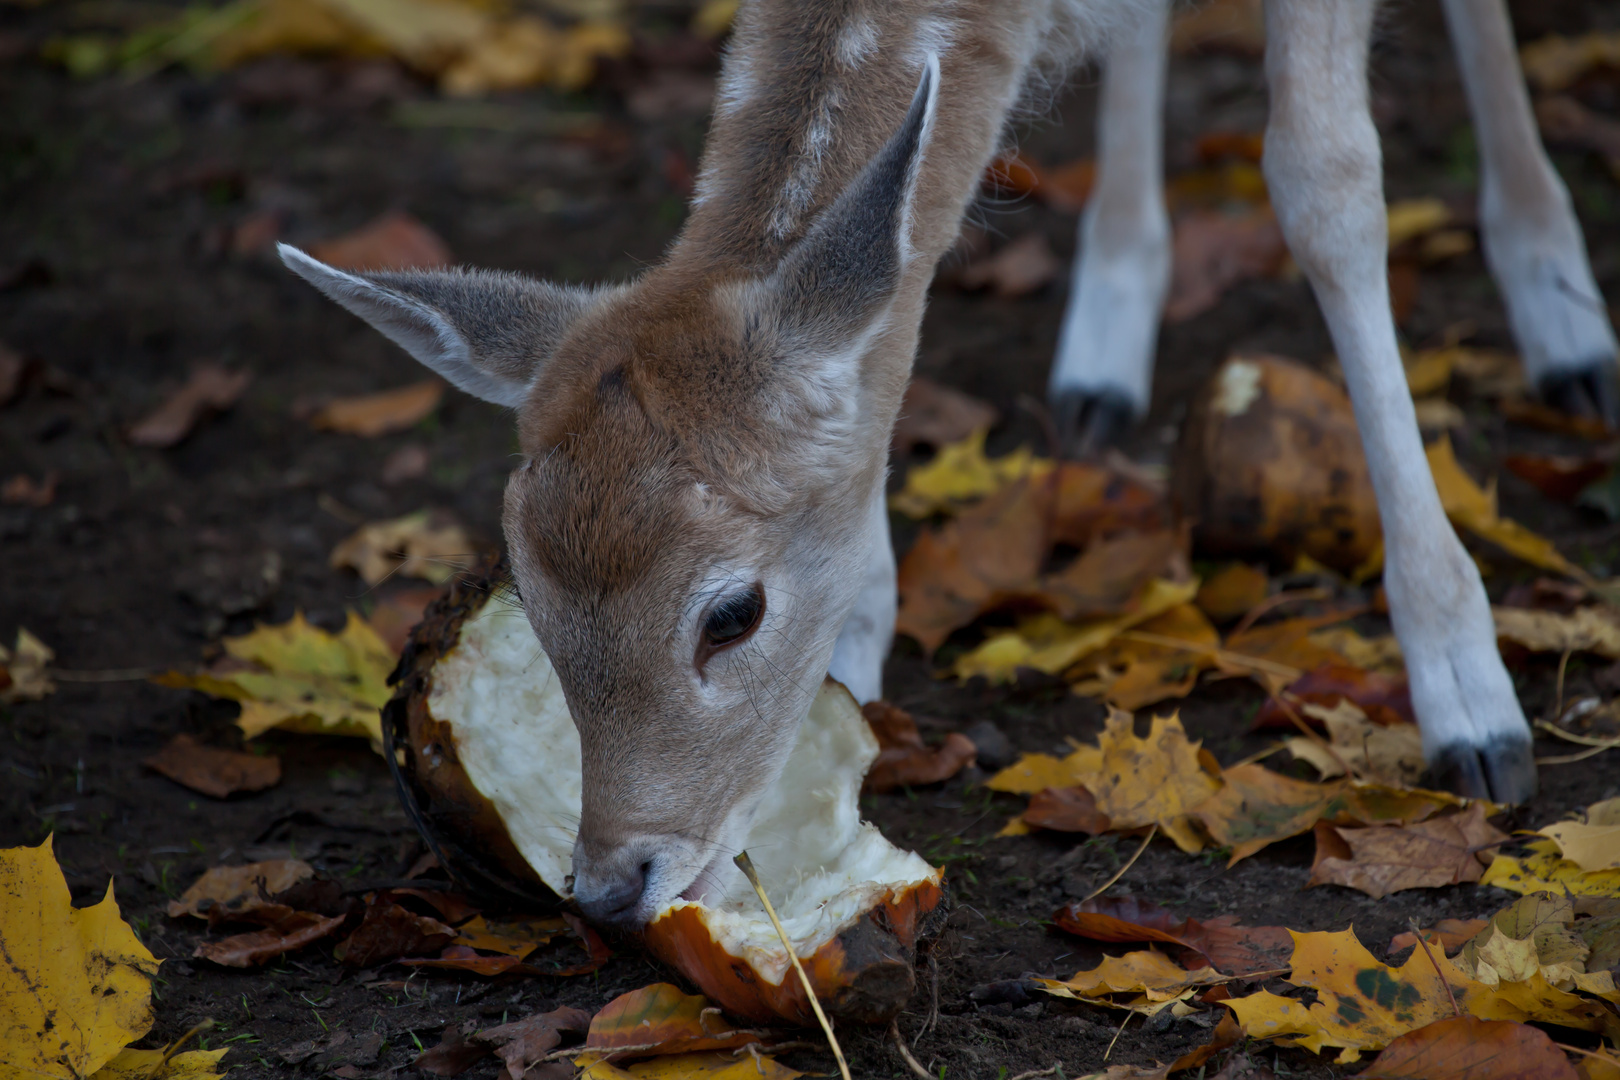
697	528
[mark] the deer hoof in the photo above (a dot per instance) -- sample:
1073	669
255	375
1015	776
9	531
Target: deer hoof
1503	770
1590	392
1090	421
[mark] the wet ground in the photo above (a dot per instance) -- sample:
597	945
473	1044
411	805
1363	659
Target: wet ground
120	208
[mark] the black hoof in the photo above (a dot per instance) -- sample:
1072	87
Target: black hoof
1089	422
1503	770
1592	392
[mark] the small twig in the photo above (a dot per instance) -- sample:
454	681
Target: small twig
1598	1053
905	1052
746	865
1033	1074
174	1047
1226	656
1104	887
1563	664
1570	759
1308	731
1423	942
1117	1034
1601	742
1272	603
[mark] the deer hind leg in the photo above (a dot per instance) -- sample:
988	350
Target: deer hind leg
1322	164
863	643
1532	241
1102	377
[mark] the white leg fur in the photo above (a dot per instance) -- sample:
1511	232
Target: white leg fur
863	643
1323	166
1111	326
1532	241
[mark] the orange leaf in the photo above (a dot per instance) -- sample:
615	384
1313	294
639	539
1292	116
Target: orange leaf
1219	942
903	759
1232	591
1448	934
1464	1048
211	388
379	414
659	1019
933	415
1066	809
213	771
394	241
1213	251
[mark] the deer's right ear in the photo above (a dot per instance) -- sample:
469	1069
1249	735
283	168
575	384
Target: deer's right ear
488	333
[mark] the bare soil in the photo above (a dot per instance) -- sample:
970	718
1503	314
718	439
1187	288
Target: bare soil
119	203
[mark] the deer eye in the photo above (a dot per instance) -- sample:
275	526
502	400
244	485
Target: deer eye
734	619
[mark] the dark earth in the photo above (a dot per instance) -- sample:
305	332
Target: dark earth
119	202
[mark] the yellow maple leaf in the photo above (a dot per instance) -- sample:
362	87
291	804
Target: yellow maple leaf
1593	844
1037	772
1364	1005
297	677
1545	870
1586	629
25	670
1473	508
151	1065
75	987
959	473
424	545
1145	972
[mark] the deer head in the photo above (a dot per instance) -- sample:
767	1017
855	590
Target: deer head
688	526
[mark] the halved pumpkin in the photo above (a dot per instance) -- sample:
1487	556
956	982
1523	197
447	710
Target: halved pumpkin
488	764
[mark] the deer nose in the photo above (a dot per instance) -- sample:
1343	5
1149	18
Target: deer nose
614	895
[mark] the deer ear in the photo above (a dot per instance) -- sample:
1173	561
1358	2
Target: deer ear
488	333
845	271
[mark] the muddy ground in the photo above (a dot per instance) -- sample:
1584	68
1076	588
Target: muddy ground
117	205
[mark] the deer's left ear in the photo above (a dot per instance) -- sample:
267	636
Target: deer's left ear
836	281
489	333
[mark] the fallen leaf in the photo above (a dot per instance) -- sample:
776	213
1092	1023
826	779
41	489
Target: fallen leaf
371	415
903	760
1213	250
1409	219
1536	935
1559	477
1386	700
523	1044
454	1054
211	388
1147	973
1153	661
1213	146
21	490
714	1065
1227	25
510	938
293	931
298	677
464	958
427	544
1463	1048
1545	870
394	241
1066	809
658	1020
960	473
1586	629
935	415
1288	642
76	985
409	462
1232	591
1593	843
398	612
1018	269
25	669
1555	62
1381	859
1448	934
1064	187
1158	780
597	951
1219	942
1111	573
224	892
1391	754
1363	1005
13	371
1473	508
212	771
131	1064
1518	409
388	932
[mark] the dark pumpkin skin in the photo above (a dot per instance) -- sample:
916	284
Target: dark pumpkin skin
864	975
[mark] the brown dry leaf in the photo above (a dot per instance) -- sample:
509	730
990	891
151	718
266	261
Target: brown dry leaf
212	771
1219	942
1288	641
1018	269
1447	934
226	892
398	612
1390	754
1559	477
1463	1048
1362	1004
394	241
903	759
1232	591
25	669
1158	780
1154	661
1111	573
661	1015
1151	977
371	415
523	1044
387	932
21	490
1270	465
1228	25
1066	809
1213	251
1382	859
13	370
409	462
211	388
1556	62
934	415
1385	699
1518	409
427	544
1586	629
292	931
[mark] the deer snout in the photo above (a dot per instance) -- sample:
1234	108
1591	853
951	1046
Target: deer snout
624	885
